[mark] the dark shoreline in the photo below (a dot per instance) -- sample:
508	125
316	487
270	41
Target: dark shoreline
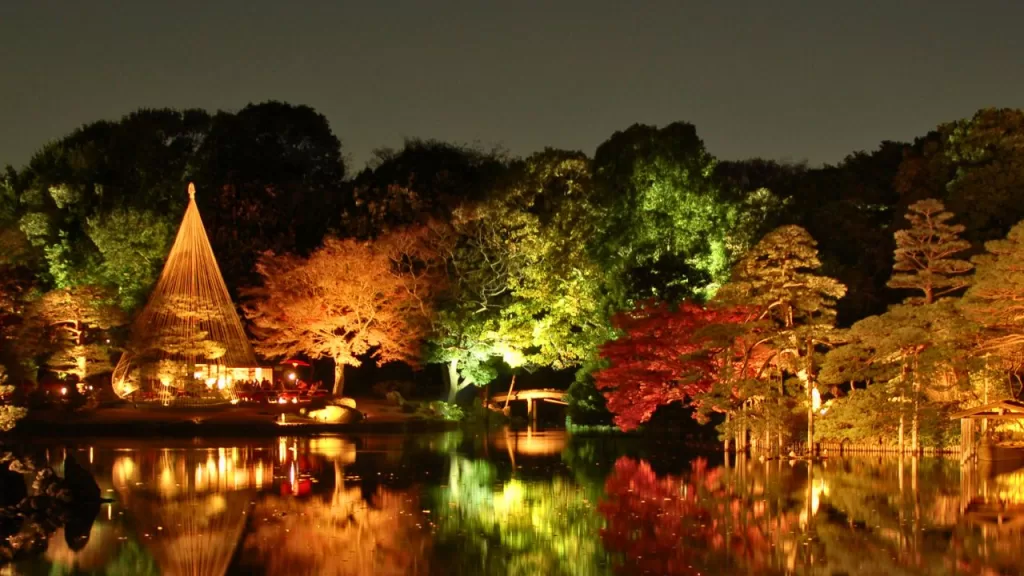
37	428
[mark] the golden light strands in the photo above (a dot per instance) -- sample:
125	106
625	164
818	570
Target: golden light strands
189	320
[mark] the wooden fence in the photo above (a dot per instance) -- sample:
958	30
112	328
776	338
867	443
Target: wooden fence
875	447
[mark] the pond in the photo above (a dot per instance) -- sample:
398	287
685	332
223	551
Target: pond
528	502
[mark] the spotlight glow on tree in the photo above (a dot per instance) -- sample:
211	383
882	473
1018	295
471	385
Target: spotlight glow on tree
188	320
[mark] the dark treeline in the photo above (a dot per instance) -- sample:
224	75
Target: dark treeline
493	262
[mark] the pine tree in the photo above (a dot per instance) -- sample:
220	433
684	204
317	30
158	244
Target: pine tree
779	278
912	342
924	256
996	298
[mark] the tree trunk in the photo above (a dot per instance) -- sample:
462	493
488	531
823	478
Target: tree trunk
782	394
810	398
901	425
913	430
810	421
917	401
339	378
453	380
727	436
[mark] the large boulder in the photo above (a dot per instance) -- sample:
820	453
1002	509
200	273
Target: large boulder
344	401
80	481
335	415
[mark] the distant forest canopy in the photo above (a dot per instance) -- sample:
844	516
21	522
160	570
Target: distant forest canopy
490	260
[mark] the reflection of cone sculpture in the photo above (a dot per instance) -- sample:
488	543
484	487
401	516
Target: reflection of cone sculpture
192	536
188	321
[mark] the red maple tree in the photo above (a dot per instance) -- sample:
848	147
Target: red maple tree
666	354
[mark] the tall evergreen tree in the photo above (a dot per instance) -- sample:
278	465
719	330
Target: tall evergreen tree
780	278
996	298
925	253
917	341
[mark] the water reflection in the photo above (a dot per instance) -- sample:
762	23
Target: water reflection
527	502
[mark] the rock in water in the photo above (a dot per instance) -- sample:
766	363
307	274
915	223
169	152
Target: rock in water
12	487
79	481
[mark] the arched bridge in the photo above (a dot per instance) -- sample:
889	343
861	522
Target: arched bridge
500	401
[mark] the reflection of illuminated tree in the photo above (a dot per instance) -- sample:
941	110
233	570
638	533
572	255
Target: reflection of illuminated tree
516	527
339	535
671	525
863	516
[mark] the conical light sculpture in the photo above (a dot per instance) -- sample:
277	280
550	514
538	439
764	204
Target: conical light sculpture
189	332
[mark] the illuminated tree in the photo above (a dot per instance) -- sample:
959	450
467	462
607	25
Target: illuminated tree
667	222
665	355
100	192
560	293
905	355
523	287
779	279
925	253
850	208
347	299
69	327
918	342
189	337
467	335
9	414
995	297
132	245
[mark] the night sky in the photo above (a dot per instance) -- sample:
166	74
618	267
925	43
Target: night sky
809	80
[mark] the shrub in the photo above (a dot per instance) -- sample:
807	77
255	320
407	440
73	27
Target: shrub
446	411
480	415
395	397
587	406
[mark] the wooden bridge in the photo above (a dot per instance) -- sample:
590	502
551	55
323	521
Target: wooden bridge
500	402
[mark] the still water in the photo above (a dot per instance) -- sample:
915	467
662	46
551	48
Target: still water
524	503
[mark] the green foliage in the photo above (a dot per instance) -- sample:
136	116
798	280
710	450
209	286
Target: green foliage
445	411
586	405
132	560
132	245
425	179
778	277
974	165
666	221
523	290
849	208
